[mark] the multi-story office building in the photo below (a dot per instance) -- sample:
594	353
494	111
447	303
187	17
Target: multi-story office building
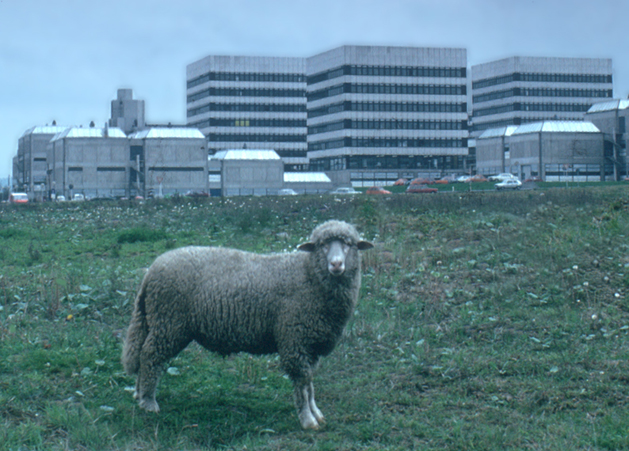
519	90
250	102
379	113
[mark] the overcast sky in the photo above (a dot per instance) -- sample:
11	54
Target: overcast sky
64	60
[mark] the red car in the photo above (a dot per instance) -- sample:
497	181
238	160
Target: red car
18	198
420	189
421	181
377	190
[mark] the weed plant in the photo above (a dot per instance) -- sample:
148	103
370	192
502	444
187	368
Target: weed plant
486	321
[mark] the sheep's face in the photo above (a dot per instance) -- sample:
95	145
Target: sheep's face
336	253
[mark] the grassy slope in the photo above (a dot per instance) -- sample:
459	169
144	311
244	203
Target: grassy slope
486	321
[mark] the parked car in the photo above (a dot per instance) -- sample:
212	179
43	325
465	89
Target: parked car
513	183
287	192
464	178
378	190
422	181
345	190
533	178
60	198
400	182
18	198
501	177
78	197
451	178
478	178
420	189
197	194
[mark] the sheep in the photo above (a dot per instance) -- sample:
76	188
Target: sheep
294	304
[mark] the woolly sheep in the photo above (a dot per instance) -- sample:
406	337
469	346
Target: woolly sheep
295	304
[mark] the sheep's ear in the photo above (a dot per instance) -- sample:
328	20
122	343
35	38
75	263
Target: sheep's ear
364	245
306	247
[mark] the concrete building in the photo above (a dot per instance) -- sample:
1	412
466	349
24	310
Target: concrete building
611	118
248	172
127	114
376	114
29	172
250	102
90	161
166	161
552	150
519	90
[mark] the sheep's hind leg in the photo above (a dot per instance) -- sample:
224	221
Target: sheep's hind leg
155	353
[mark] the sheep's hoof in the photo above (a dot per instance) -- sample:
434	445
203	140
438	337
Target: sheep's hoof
150	405
308	421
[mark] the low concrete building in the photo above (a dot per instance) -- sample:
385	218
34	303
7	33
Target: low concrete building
90	161
248	172
166	161
29	172
308	182
552	150
611	118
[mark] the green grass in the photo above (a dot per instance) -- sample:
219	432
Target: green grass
486	321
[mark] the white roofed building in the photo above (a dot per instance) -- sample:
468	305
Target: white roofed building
550	150
611	118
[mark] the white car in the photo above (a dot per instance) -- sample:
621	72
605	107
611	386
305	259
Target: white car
512	183
345	190
287	192
502	177
78	197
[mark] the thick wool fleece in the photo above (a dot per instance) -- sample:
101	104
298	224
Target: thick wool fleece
230	301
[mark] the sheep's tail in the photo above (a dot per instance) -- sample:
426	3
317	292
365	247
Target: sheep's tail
136	333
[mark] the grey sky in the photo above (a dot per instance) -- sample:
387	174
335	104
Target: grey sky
65	59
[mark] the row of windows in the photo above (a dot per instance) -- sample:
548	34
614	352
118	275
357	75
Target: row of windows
246	92
387	89
552	78
388	71
542	92
397	107
283	153
394	162
228	137
177	169
248	107
349	124
240	76
385	142
562	107
291	123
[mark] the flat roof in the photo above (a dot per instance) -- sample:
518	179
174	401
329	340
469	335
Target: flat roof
44	130
498	132
89	132
306	177
557	127
167	132
616	104
246	154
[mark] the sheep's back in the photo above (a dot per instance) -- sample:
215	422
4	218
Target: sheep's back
225	299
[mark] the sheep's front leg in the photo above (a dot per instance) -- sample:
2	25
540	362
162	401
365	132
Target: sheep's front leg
313	406
302	402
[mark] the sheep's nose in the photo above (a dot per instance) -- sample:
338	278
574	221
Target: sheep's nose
337	267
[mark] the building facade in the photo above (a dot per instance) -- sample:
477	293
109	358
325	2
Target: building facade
612	119
519	90
549	150
90	161
379	113
250	102
29	172
127	114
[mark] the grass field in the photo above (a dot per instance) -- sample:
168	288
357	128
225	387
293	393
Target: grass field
486	321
